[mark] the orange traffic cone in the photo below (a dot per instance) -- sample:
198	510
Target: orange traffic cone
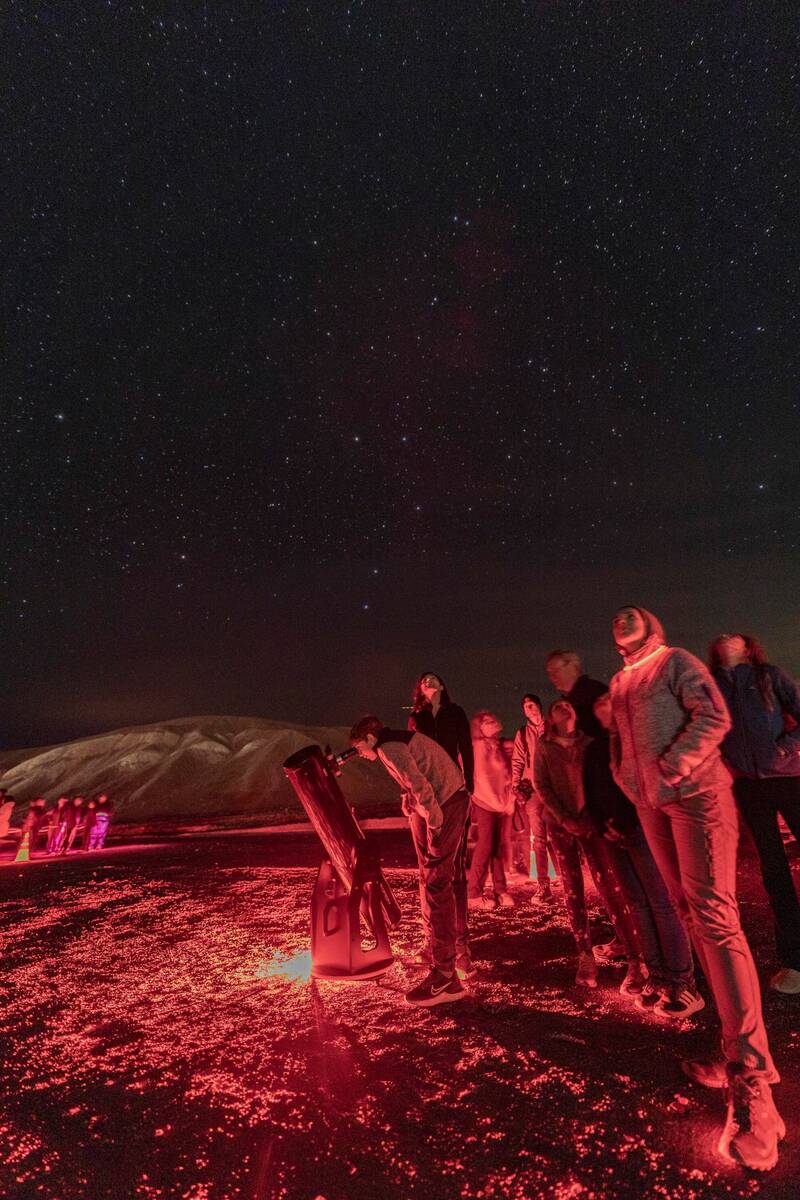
24	852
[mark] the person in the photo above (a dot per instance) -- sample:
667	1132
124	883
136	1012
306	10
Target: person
764	759
436	803
667	722
75	830
491	813
59	825
558	775
566	674
88	824
434	714
529	805
7	803
669	989
34	819
101	821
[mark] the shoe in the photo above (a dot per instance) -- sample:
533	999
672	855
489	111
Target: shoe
503	900
436	989
485	902
635	980
544	892
466	969
786	981
648	997
753	1126
712	1073
586	975
679	1003
611	954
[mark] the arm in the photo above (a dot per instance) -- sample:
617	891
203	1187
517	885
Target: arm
517	759
400	763
787	693
465	750
707	717
545	790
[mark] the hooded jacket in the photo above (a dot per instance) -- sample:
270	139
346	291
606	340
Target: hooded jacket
668	719
758	743
558	776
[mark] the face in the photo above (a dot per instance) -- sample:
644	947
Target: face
602	710
366	748
561	674
532	712
732	649
490	726
562	714
430	685
629	628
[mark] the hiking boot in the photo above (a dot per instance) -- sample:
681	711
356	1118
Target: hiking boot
611	954
484	902
679	1002
586	975
786	981
436	989
712	1073
648	997
753	1126
635	980
503	900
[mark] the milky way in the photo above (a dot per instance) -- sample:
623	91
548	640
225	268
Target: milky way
353	340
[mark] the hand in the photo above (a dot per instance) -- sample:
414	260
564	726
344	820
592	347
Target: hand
671	776
611	834
433	839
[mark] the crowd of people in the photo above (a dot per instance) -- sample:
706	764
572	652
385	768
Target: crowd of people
640	782
73	823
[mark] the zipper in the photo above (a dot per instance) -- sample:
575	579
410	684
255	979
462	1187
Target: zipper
642	791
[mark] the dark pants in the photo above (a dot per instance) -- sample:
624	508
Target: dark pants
663	942
493	832
759	802
568	852
443	882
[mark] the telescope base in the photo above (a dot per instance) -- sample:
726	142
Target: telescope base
336	932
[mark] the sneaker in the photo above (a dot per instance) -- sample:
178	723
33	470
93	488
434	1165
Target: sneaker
466	969
635	980
786	981
611	954
648	997
753	1126
436	989
544	892
485	902
586	975
712	1073
679	1003
503	900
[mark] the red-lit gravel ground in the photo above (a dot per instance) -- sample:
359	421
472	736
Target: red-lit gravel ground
160	1039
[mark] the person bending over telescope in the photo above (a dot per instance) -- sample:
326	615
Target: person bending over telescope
436	803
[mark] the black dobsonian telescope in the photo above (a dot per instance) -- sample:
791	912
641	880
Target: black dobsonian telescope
350	886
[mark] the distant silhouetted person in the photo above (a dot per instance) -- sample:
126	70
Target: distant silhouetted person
75	830
60	824
35	818
101	822
6	811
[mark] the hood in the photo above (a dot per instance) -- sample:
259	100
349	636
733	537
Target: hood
655	636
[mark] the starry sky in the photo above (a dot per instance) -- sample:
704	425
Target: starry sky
352	340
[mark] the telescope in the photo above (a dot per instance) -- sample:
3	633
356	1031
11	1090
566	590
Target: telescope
352	905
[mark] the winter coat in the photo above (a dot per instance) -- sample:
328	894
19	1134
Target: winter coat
758	743
668	719
492	789
523	754
450	728
558	776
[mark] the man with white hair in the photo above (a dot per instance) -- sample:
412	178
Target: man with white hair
566	674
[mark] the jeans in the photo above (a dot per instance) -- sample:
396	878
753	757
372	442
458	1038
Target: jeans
443	882
534	831
567	850
760	801
693	840
493	832
659	931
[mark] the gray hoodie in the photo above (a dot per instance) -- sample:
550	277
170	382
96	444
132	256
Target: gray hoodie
668	719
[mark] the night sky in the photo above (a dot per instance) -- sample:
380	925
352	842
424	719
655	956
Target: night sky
347	341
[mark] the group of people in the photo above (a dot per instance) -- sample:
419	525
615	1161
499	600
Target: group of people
74	823
640	781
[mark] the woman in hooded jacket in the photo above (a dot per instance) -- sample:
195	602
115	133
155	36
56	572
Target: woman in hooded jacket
764	758
492	811
667	722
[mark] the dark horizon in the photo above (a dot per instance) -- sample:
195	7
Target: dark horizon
346	348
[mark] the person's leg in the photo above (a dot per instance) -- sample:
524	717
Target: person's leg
535	812
788	803
482	853
705	833
566	853
501	837
463	955
602	866
442	850
419	835
667	953
758	802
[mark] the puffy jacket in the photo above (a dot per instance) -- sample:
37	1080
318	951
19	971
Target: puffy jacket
558	776
758	743
668	719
